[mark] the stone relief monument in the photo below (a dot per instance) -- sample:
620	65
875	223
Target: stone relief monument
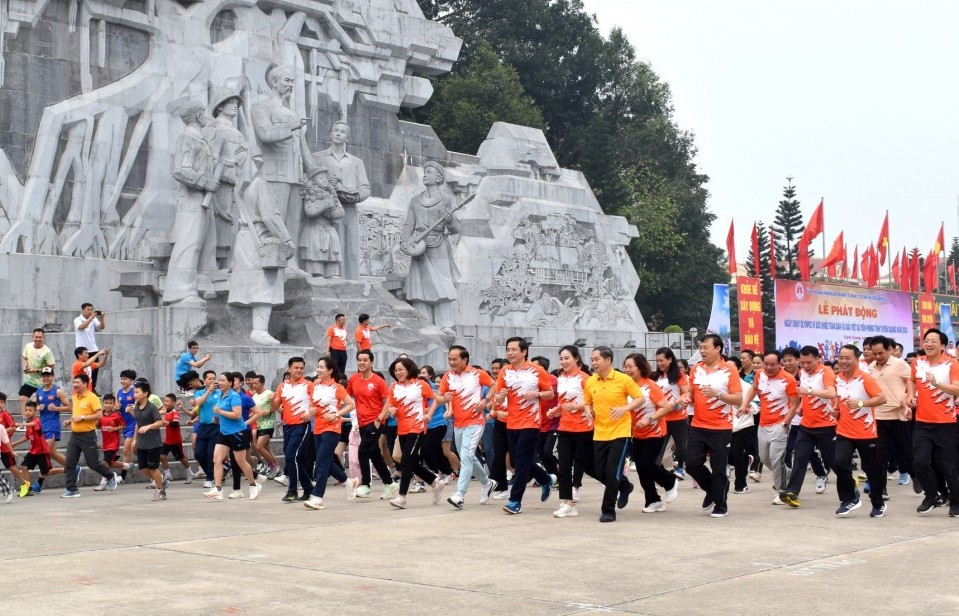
235	171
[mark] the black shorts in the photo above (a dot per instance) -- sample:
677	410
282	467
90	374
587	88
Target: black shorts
261	432
9	460
148	458
345	432
236	442
109	457
37	460
173	449
27	390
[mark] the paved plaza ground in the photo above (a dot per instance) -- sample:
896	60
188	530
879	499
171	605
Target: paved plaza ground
111	553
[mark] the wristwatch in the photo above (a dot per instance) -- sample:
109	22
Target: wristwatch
859	403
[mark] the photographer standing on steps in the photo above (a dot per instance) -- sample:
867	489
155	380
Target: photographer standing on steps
85	328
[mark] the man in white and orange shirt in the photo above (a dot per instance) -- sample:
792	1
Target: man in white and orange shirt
817	429
522	384
364	331
778	402
462	391
335	342
857	394
294	399
715	393
934	436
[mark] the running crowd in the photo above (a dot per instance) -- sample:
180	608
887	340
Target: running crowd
721	417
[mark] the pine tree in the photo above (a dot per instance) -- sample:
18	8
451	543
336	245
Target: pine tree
788	226
767	284
954	253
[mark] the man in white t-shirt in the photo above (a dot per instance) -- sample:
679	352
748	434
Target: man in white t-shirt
85	328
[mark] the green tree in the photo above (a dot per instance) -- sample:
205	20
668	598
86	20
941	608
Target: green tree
788	226
954	252
481	92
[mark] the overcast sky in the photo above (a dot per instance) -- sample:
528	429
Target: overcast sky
856	100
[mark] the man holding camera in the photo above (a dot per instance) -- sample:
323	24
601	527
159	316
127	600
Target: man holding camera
85	328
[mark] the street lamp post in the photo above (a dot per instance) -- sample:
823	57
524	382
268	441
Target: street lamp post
693	332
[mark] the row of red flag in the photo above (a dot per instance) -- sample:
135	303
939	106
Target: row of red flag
905	267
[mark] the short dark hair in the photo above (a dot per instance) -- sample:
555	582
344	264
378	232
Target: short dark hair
84	305
542	361
109	397
192	343
363	318
809	350
294	360
523	345
867	341
791	352
261	379
885	342
429	370
38	329
642	364
749	352
206	372
365	352
851	347
83	378
715	339
31	404
250	374
409	364
77	352
171	397
128	374
498	360
943	338
779	356
143	385
338	315
464	354
3	397
604	351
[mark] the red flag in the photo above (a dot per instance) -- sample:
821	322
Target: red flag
930	272
756	251
883	244
845	263
772	254
855	264
836	254
865	267
872	277
914	271
731	248
951	273
940	241
895	272
815	226
802	258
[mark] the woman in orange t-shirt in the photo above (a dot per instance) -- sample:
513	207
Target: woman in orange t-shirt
649	435
329	404
409	396
672	380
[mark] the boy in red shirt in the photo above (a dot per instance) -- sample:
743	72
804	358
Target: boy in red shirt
173	438
111	427
39	454
6	451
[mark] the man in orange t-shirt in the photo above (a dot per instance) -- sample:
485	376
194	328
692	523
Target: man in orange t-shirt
522	384
857	393
294	398
335	341
715	393
934	437
364	331
817	429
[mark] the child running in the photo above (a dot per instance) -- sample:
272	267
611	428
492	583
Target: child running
111	425
173	438
148	439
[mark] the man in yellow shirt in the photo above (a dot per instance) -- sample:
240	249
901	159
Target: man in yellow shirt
606	398
83	437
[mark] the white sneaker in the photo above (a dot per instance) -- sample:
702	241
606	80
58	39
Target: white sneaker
235	494
255	491
673	494
566	511
283	480
487	491
418	487
654	507
390	490
437	491
456	500
119	479
501	495
167	475
189	476
208	484
351	484
102	486
214	493
821	484
262	478
315	502
399	502
364	492
575	495
755	476
776	500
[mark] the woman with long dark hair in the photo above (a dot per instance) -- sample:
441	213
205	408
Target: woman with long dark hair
575	433
672	380
329	405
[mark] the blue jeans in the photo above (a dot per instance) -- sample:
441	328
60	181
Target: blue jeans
205	442
294	435
325	444
488	443
467	440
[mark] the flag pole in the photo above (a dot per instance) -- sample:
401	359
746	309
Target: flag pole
824	272
889	257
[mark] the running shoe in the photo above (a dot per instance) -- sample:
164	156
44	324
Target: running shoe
166	484
102	486
189	476
673	493
70	494
36	487
503	495
399	502
159	495
547	487
208	484
390	490
315	502
364	492
167	476
437	490
351	485
821	482
566	511
282	479
777	500
487	491
235	494
742	490
755	476
624	492
255	491
926	506
904	479
418	487
9	497
679	472
848	506
654	507
24	490
214	493
112	482
306	495
272	472
261	478
915	486
878	512
456	500
289	497
708	503
719	512
608	517
790	498
513	507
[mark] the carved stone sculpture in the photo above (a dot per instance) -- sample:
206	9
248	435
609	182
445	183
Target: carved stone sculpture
230	151
263	246
194	245
319	245
348	176
431	283
280	138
